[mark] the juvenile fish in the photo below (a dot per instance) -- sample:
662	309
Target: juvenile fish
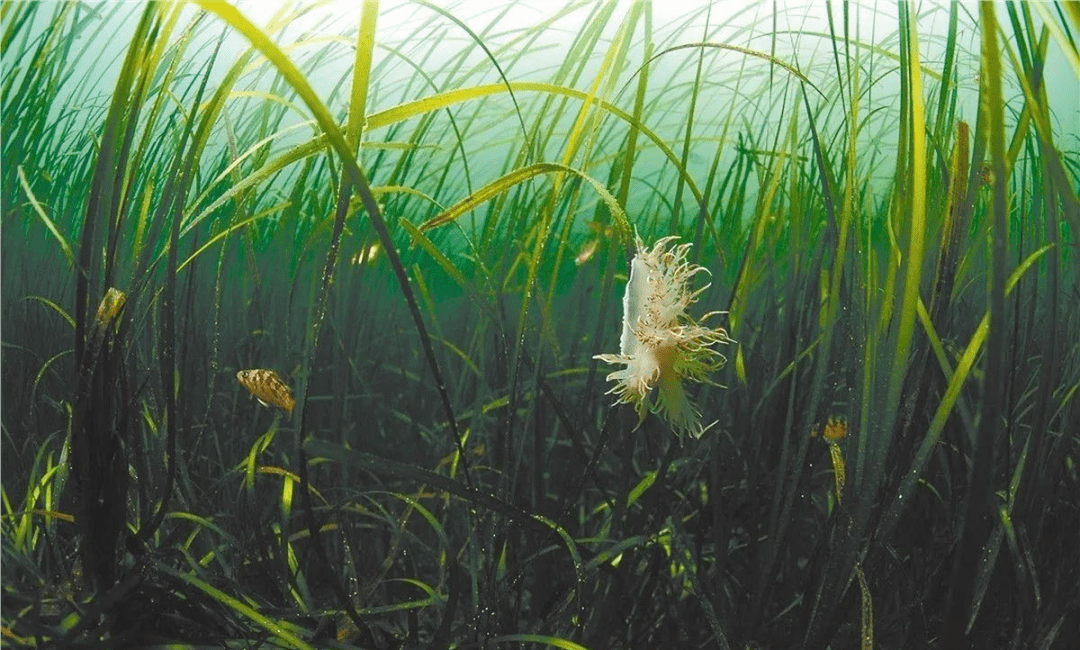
267	387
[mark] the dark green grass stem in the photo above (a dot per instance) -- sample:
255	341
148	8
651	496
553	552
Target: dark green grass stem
979	507
94	445
353	132
839	566
183	169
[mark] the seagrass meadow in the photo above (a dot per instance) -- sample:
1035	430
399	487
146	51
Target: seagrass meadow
583	325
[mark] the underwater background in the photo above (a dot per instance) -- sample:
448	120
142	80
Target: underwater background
314	317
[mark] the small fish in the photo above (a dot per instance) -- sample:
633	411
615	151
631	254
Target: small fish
587	252
108	310
835	429
267	387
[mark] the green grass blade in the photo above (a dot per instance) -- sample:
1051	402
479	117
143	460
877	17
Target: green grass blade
952	393
550	641
279	631
40	210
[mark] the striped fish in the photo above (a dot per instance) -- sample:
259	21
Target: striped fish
267	387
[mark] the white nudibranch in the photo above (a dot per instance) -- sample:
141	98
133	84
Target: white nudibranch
662	345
